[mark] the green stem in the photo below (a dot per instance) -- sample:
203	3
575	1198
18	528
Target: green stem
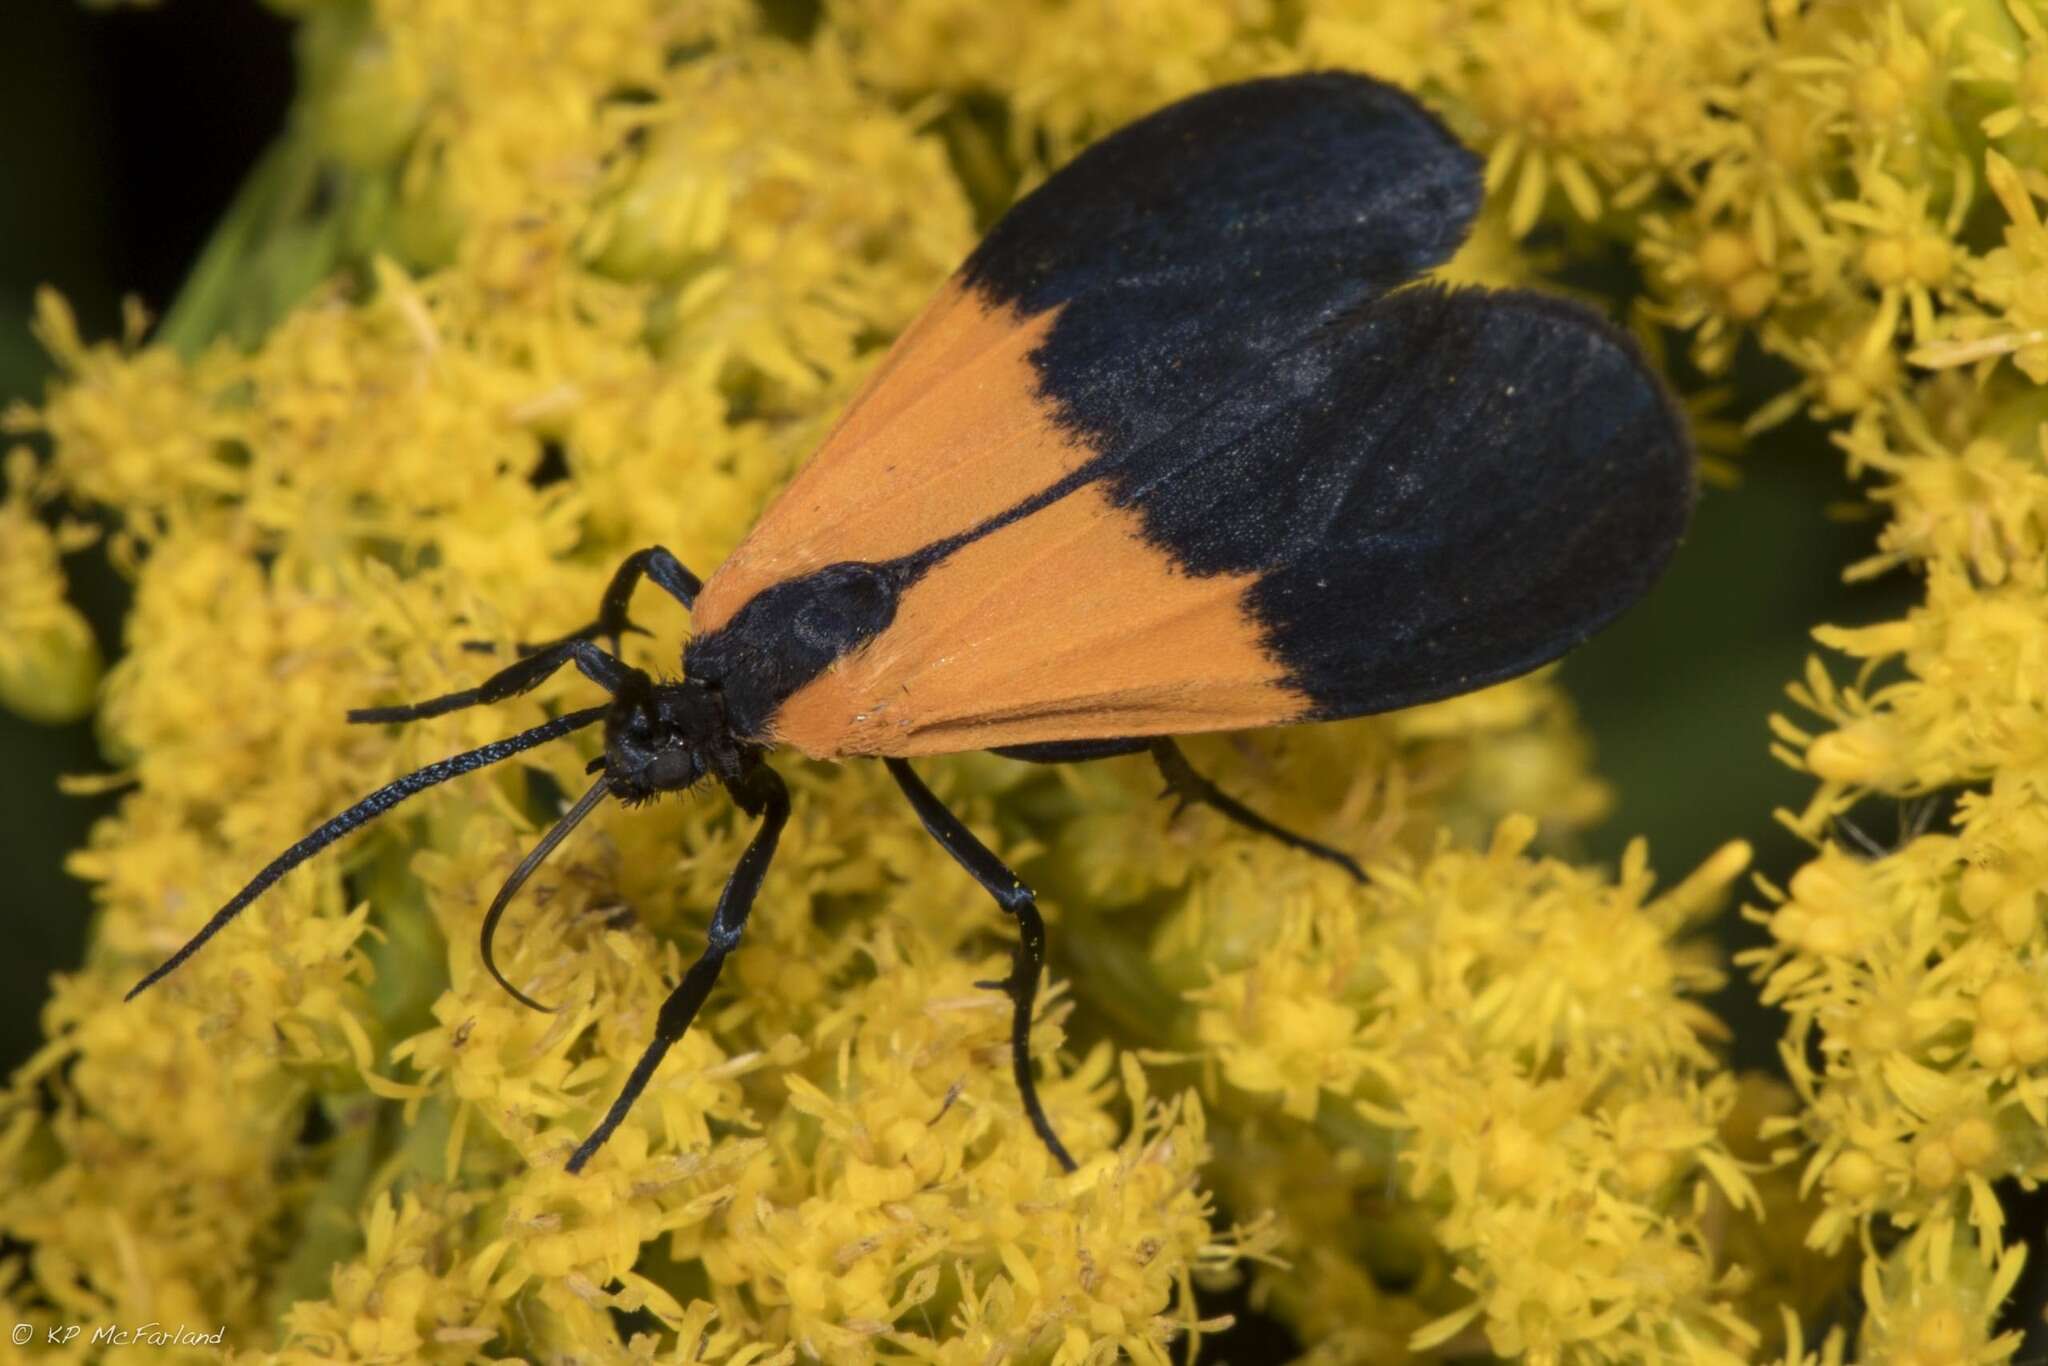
330	1228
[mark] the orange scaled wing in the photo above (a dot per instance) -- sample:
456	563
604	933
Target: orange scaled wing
1062	625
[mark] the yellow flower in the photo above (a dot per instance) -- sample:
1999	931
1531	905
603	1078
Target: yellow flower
2014	278
602	277
2013	56
49	661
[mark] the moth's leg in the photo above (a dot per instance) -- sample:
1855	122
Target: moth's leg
655	564
1028	960
515	678
1189	786
761	793
536	662
1181	781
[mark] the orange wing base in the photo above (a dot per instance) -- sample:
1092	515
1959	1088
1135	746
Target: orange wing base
1066	624
946	433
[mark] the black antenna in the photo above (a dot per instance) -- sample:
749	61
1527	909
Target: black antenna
364	811
599	790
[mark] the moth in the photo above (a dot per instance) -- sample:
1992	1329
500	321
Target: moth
1186	445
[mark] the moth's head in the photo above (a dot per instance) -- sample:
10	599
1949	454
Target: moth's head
659	738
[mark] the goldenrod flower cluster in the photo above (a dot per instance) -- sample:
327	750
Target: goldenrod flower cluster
529	286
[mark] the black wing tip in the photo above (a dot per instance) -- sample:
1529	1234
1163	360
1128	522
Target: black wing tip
1658	440
1408	144
1597	397
1663	415
1595	323
1456	191
1381	97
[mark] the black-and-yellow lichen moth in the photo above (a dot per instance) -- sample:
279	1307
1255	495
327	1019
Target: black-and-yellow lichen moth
1183	446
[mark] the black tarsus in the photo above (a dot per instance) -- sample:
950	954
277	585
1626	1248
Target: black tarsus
537	662
654	563
572	818
1028	959
369	808
1189	786
1182	782
760	793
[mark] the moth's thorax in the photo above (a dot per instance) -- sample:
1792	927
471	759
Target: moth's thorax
789	633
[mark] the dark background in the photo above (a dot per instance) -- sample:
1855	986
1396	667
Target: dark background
124	134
